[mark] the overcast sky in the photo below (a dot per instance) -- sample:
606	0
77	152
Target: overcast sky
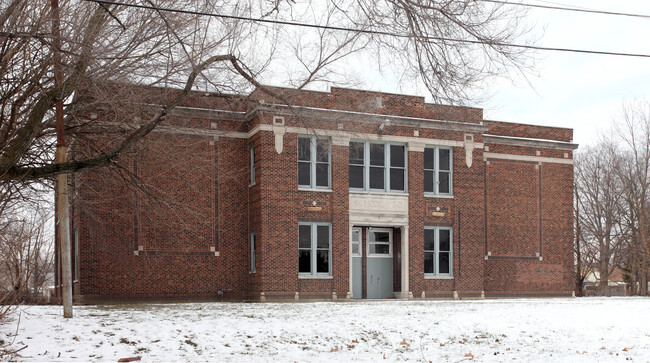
584	92
580	91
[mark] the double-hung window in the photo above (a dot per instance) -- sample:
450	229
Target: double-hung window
314	249
438	256
314	170
437	171
377	166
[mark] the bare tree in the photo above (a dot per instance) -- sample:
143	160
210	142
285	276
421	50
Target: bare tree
598	198
634	170
450	46
111	55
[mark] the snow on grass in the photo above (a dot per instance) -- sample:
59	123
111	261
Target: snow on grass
538	330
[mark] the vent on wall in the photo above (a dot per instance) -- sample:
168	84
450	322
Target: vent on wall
278	121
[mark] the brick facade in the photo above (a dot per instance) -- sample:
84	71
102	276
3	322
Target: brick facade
183	229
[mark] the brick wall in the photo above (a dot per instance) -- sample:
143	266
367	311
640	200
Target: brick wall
159	239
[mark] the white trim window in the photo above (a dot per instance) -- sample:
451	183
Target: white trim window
377	166
253	249
438	256
356	242
314	249
314	169
437	170
252	165
380	242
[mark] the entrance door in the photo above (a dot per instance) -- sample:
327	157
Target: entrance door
357	279
379	263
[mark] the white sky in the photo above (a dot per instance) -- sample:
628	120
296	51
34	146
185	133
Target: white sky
580	91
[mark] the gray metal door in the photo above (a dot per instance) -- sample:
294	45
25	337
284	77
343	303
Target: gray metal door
379	263
357	277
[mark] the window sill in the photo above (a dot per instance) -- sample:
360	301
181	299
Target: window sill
315	277
438	196
303	189
374	192
433	277
251	185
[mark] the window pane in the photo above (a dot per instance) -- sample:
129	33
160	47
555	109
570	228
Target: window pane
428	181
429	159
322	175
381	236
444	159
382	249
355	249
444	241
304	151
377	154
356	176
304	173
428	263
429	244
443	185
397	155
443	264
356	153
322	261
323	237
322	150
376	178
397	179
304	261
304	236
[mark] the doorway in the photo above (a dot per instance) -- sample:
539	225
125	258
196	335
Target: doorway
379	263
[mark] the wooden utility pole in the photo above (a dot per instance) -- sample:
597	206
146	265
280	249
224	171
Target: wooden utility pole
63	214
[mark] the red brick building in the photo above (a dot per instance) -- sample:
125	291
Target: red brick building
340	194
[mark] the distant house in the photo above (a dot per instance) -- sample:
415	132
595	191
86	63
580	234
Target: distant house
329	195
616	284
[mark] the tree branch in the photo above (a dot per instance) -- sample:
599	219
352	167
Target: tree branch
27	173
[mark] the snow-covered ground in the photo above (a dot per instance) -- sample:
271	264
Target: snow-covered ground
568	330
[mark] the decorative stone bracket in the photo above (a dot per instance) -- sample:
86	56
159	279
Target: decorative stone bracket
469	149
279	132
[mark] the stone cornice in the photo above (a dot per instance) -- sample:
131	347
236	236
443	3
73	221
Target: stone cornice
528	142
351	116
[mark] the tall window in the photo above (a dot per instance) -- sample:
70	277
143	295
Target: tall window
437	170
314	249
377	166
252	165
437	251
253	269
314	169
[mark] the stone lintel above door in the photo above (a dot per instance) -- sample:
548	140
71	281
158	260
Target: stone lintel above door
379	209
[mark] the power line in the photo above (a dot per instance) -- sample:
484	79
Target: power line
568	9
372	32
